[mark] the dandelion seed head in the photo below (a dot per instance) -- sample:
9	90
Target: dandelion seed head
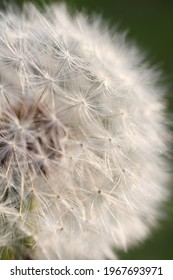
82	136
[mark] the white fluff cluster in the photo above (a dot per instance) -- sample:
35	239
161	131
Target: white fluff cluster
82	131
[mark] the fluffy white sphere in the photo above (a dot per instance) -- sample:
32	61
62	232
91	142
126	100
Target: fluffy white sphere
82	136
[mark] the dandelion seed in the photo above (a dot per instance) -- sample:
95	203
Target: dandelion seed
82	137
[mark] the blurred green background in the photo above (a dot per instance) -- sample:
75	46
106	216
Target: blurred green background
150	24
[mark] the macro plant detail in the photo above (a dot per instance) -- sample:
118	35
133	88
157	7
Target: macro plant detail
82	138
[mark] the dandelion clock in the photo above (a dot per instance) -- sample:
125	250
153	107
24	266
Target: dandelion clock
83	138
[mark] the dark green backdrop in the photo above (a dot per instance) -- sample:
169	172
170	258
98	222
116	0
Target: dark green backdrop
150	24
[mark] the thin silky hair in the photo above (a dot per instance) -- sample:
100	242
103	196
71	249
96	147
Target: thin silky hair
83	136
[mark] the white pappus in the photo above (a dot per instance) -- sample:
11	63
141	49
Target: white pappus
82	136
